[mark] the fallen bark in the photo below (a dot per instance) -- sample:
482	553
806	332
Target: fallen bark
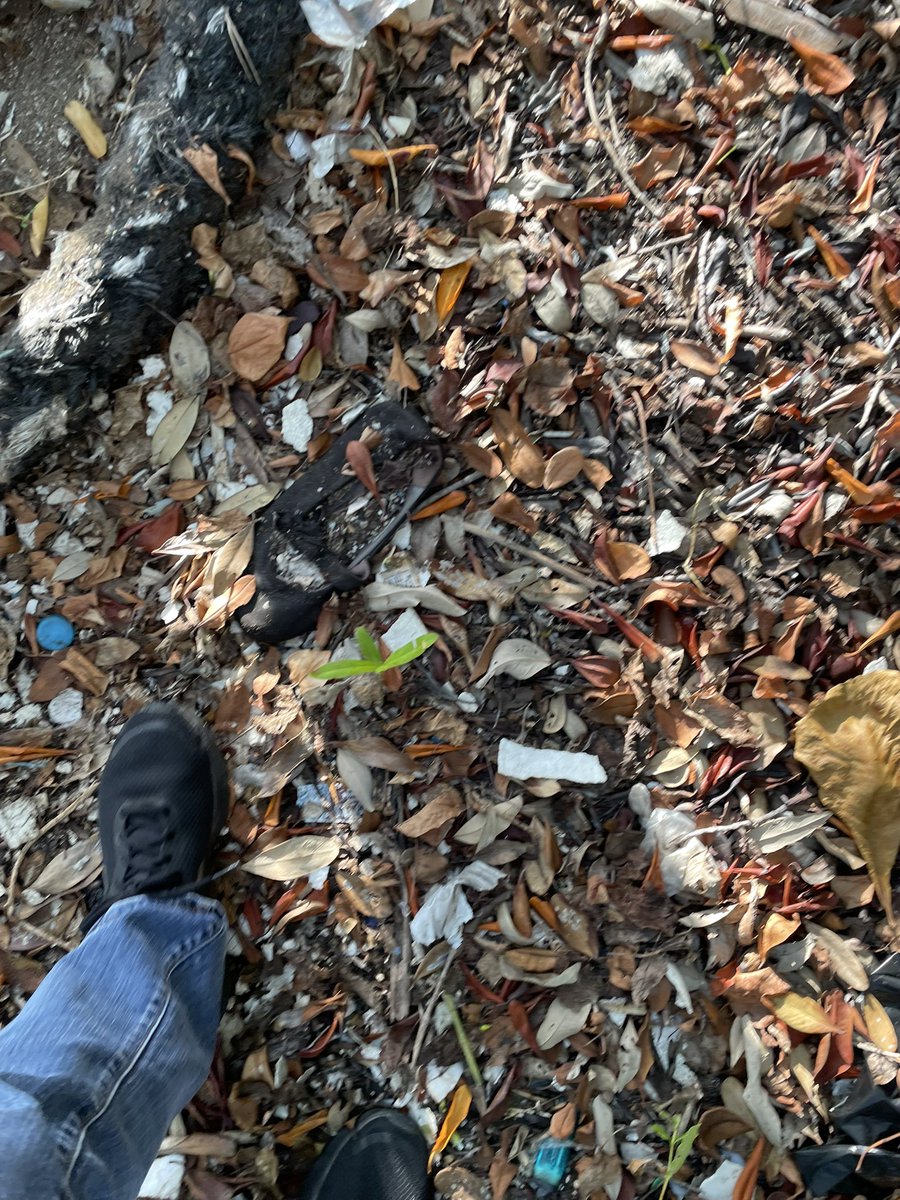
110	283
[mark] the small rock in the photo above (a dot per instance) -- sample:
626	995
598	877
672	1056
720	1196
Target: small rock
66	708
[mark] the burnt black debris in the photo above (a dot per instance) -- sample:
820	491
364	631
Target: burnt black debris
110	283
316	538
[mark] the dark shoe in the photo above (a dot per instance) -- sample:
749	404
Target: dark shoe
163	797
384	1157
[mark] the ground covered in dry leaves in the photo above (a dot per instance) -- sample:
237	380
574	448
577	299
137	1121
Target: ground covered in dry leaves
641	273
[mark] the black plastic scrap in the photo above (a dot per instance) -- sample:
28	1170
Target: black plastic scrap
852	1163
306	549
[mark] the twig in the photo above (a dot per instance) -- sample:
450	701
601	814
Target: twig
606	141
645	445
248	66
428	1012
467	1052
535	555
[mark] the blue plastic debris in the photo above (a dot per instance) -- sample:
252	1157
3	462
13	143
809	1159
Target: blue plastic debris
551	1161
55	633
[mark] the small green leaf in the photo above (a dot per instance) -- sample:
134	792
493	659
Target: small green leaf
410	651
685	1146
344	668
368	647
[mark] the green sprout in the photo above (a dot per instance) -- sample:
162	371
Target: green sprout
371	662
679	1146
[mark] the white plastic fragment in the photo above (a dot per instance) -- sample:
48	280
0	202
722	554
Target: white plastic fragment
163	1180
669	536
446	909
296	424
516	761
408	626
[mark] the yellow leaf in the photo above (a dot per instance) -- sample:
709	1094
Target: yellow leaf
399	156
891	625
734	323
457	1111
777	929
849	741
449	287
801	1013
880	1026
37	229
88	129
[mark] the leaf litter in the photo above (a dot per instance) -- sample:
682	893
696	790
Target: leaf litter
631	806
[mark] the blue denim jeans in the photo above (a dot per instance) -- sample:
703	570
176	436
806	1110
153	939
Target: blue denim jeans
110	1047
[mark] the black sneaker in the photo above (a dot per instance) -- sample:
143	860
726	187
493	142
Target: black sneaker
384	1157
163	797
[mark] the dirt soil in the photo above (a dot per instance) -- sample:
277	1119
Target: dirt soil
609	858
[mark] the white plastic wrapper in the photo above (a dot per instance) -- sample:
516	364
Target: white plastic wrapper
350	22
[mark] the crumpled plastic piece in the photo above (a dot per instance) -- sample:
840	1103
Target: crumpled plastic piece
866	1115
829	1169
446	909
348	23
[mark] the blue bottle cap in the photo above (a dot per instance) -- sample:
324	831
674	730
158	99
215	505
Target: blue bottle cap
55	633
551	1162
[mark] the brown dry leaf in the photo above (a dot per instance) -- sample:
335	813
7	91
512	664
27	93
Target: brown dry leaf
520	454
510	508
745	1185
205	162
658	165
837	265
862	201
255	344
849	741
445	806
401	373
801	1013
457	1111
359	459
562	1123
481	459
563	467
449	287
384	283
623	560
695	356
538	962
827	72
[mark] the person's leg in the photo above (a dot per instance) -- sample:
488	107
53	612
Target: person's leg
121	1033
111	1046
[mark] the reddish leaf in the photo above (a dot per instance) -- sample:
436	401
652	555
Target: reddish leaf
359	458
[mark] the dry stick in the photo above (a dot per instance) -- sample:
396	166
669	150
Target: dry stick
535	555
425	1018
606	141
